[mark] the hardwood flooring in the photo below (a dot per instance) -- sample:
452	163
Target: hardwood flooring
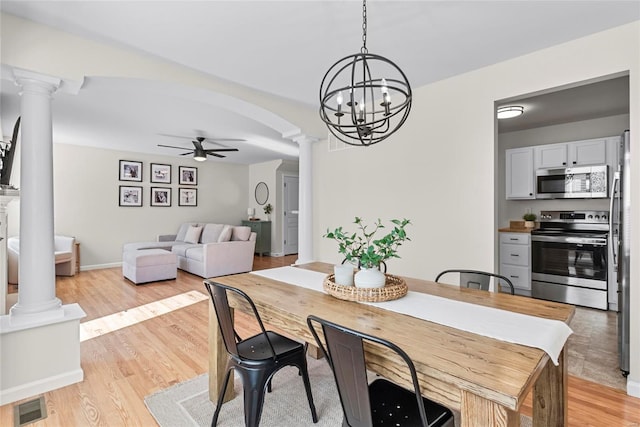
163	346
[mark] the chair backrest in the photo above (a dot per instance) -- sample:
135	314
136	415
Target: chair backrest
476	279
220	301
344	351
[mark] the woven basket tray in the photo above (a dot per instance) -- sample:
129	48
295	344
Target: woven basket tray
394	288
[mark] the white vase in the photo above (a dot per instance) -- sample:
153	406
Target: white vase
369	278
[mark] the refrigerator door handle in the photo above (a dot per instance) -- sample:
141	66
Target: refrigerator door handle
613	244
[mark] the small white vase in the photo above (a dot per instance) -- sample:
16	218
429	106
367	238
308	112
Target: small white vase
529	224
369	278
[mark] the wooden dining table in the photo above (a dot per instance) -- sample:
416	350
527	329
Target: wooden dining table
483	378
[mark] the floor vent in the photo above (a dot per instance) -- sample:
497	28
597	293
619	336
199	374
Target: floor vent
29	412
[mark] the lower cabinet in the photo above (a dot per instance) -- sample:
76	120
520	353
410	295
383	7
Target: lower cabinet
263	235
515	260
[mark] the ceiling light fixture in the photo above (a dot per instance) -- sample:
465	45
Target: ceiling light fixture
510	111
369	115
199	155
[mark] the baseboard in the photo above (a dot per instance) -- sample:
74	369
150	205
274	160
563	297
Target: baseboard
40	386
633	388
100	266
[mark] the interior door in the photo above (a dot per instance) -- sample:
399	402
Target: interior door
290	221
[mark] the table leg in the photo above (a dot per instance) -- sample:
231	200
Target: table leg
476	411
217	359
550	395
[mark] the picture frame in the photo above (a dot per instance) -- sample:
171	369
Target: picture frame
188	175
130	196
160	173
130	170
188	197
160	196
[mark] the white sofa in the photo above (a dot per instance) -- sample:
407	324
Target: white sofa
65	257
206	249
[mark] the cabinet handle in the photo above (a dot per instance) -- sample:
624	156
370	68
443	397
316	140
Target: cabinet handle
531	194
574	162
515	255
564	163
515	277
515	239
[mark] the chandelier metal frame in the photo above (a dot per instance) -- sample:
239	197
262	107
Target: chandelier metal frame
365	119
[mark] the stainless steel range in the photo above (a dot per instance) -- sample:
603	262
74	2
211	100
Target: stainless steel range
569	258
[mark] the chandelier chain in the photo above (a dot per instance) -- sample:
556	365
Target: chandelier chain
364	27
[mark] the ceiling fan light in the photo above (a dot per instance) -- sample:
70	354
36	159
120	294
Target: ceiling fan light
199	155
510	111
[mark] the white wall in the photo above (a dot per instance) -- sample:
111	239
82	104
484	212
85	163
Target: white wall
86	190
440	169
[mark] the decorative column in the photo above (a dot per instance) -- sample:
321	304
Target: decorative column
37	291
305	218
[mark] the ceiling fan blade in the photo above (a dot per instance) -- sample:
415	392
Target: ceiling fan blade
215	150
225	139
173	146
187	153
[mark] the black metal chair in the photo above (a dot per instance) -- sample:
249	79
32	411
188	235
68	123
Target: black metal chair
256	358
476	279
381	403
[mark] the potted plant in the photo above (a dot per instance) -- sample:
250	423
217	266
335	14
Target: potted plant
369	252
529	220
267	210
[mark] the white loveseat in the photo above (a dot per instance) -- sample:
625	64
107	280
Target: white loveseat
207	250
65	257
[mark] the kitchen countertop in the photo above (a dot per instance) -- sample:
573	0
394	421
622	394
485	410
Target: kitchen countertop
516	227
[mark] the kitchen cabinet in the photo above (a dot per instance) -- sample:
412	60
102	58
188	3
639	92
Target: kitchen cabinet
519	170
568	154
515	260
263	235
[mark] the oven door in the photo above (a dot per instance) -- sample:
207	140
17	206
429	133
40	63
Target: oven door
570	259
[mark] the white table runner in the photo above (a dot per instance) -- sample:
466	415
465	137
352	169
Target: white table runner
545	334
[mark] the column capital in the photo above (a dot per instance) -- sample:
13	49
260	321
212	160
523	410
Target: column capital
36	82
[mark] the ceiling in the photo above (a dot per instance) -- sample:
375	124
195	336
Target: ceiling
283	48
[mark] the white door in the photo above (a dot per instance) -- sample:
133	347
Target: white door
290	222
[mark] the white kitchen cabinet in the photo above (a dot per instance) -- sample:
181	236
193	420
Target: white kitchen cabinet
568	154
519	173
515	260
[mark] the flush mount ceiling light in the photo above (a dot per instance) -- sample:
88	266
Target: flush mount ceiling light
510	111
376	91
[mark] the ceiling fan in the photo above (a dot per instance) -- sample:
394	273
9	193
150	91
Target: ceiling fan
199	153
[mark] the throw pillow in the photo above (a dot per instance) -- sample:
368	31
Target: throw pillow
241	233
193	234
225	236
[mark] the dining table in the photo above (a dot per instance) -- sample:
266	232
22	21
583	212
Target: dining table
484	378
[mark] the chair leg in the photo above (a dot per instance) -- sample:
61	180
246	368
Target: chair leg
307	386
214	421
254	384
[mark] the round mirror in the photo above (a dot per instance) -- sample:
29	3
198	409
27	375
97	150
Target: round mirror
262	193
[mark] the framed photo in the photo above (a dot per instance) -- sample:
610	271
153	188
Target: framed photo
160	173
188	197
188	175
130	171
160	196
130	196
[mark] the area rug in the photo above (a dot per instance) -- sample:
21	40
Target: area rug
187	404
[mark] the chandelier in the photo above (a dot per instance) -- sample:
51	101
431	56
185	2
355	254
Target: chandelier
364	98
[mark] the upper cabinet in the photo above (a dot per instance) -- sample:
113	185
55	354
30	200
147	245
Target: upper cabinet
520	173
576	153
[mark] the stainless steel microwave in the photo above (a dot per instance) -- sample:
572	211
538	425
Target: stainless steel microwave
581	182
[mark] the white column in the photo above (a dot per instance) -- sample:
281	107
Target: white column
305	218
37	290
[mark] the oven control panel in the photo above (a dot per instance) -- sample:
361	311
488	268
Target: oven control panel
586	217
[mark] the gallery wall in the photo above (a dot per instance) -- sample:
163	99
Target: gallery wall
86	200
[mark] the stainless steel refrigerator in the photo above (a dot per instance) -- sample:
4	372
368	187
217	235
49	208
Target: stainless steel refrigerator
620	243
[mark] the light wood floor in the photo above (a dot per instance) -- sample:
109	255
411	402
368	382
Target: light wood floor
123	366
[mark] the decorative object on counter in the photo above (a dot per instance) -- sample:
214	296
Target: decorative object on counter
363	122
370	252
343	274
529	220
267	211
394	287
